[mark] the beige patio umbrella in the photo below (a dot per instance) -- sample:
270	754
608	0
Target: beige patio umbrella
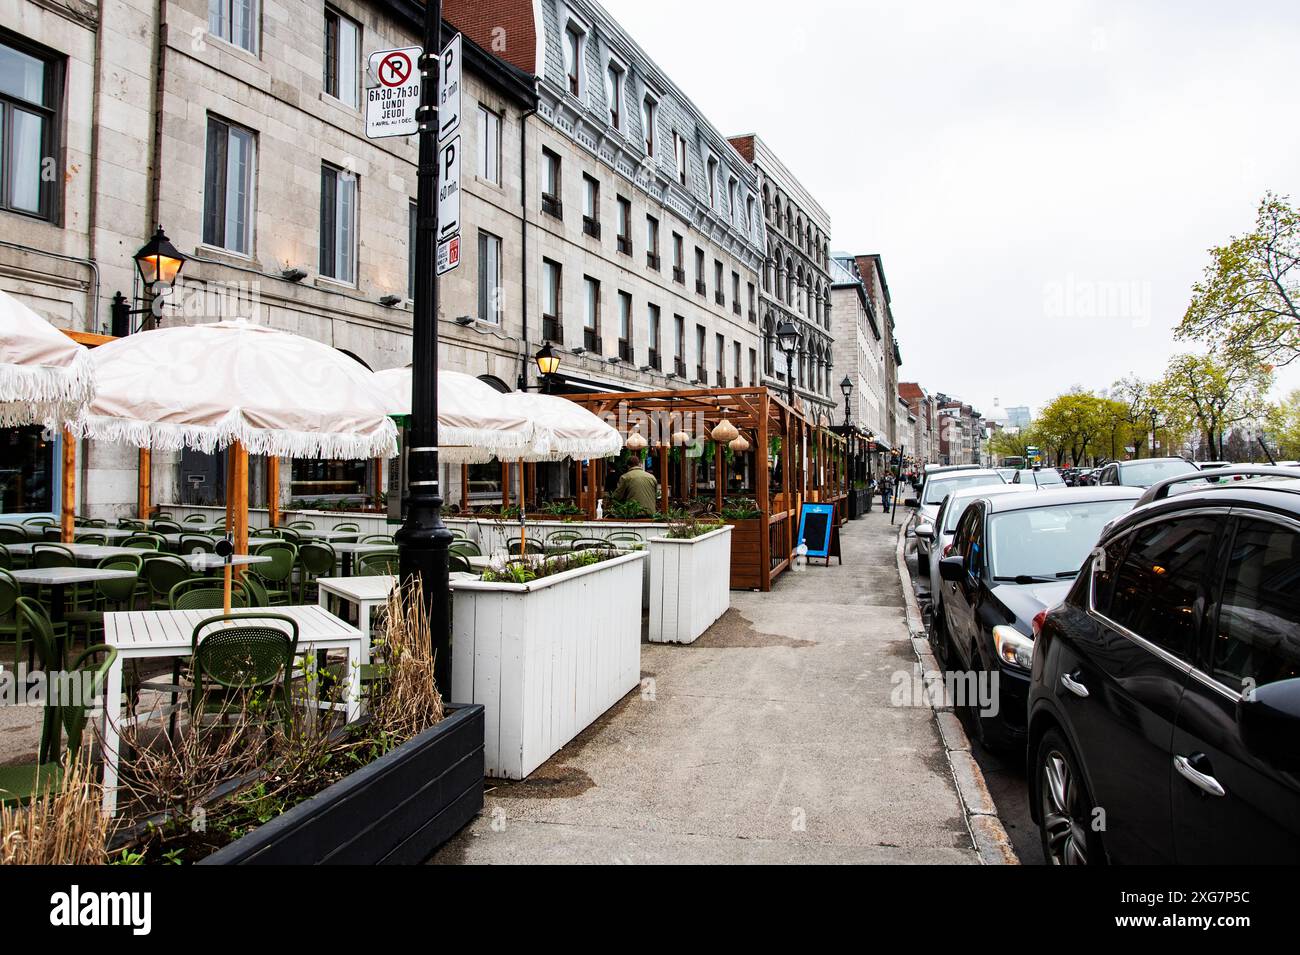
239	385
45	377
475	424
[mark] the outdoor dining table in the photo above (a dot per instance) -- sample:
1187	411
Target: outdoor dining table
366	593
92	553
108	533
158	634
205	562
57	578
349	550
329	537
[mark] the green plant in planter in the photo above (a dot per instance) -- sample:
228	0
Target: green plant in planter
774	446
626	510
559	509
741	509
691	527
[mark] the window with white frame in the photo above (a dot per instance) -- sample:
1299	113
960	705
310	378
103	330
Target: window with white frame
614	82
649	116
552	329
733	206
342	58
490	293
711	172
234	21
489	145
575	42
338	224
679	154
228	187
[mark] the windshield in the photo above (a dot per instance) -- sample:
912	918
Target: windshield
1047	543
1049	477
936	489
1146	473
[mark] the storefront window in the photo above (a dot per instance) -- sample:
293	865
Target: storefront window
27	475
329	481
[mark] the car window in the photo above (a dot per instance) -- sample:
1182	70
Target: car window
1104	571
1258	632
1157	585
969	542
1146	473
1047	542
939	488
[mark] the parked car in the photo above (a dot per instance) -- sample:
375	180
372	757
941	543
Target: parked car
1166	687
1008	474
939	536
935	470
1040	478
1212	465
1143	472
1013	556
937	486
1087	477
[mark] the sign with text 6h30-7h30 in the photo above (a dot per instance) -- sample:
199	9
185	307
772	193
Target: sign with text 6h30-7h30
391	105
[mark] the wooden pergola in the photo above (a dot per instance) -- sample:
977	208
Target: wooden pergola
806	463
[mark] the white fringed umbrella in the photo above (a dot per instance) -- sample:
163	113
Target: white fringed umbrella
474	422
45	377
563	429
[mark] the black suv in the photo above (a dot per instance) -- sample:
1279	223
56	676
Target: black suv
1164	702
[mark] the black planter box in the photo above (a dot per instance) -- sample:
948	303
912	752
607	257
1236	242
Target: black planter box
395	811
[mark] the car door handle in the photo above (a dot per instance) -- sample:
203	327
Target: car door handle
1074	686
1197	778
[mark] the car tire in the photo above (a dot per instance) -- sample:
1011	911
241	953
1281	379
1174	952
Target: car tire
1065	807
938	635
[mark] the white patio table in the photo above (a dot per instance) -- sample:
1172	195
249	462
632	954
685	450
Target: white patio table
157	634
366	593
87	552
350	550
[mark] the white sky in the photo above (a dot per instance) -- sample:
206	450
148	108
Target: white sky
1012	162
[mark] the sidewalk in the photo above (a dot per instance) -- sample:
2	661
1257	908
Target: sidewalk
771	739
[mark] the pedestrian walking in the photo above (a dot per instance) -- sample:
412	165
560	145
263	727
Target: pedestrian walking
887	491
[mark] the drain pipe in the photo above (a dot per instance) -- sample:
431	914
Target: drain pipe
523	241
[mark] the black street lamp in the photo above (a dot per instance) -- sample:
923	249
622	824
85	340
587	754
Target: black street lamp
548	363
787	337
846	386
423	541
159	264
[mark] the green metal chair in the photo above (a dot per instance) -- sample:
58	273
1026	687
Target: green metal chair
210	596
246	659
377	539
109	595
277	575
315	559
347	526
39	522
146	541
52	555
253	591
10	628
163	572
90	538
515	547
301	525
196	544
131	524
195	519
457	563
624	538
166	526
92	522
290	534
582	543
380	563
6	558
466	548
12	534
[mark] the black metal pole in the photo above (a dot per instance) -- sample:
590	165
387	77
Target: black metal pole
423	540
789	377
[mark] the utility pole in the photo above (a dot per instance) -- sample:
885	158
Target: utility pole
423	541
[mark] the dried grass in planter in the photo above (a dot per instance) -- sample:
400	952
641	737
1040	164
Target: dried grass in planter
63	826
405	699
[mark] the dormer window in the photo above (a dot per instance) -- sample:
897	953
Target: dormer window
614	77
711	169
649	116
574	41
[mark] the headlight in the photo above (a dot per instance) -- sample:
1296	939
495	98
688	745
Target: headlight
1013	647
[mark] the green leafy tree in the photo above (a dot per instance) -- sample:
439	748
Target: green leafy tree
1248	303
1212	394
1010	441
1284	427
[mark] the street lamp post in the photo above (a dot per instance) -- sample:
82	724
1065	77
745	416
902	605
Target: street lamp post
423	541
787	337
548	363
846	386
159	264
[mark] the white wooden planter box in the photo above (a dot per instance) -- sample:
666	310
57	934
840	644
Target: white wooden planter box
690	585
493	535
546	658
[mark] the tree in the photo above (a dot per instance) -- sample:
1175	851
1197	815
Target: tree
1248	303
1069	425
1211	394
1284	427
1011	441
1135	395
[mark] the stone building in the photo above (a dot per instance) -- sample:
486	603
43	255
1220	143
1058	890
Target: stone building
859	346
872	271
796	280
591	188
923	440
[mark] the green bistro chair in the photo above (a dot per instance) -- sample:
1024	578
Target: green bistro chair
109	595
90	539
131	524
92	522
9	625
52	555
253	591
625	539
377	539
530	546
205	593
166	526
6	558
466	548
301	525
35	522
248	662
347	527
583	543
289	534
378	564
146	541
195	519
13	534
315	559
196	544
162	572
457	563
277	575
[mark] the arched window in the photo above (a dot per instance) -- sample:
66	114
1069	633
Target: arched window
767	202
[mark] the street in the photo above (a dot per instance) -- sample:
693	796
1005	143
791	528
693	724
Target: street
774	738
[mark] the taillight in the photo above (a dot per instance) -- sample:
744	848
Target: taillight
1038	623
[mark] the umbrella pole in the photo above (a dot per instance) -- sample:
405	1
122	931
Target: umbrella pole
273	489
68	504
237	506
145	488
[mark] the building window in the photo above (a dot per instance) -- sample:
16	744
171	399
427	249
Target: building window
753	310
591	315
490	293
574	42
338	224
551	204
720	356
29	96
228	187
700	287
679	259
489	145
590	206
234	21
649	116
735	292
679	153
410	251
753	367
342	58
679	345
652	242
614	93
718	295
624	225
750	222
625	326
652	331
733	204
701	363
735	365
711	173
552	327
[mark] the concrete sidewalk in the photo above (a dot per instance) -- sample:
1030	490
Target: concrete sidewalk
771	739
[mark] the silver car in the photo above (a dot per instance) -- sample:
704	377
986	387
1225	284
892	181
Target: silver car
940	533
934	490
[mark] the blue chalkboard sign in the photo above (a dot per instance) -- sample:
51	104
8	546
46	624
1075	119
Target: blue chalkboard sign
816	528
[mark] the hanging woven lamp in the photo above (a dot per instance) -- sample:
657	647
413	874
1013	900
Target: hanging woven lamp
724	431
636	441
738	444
681	438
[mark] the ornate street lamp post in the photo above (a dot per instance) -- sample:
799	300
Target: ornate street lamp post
787	337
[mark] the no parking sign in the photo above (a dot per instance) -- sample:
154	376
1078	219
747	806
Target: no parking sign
391	105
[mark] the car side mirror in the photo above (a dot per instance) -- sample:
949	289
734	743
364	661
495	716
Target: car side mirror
1269	718
952	569
925	530
910	502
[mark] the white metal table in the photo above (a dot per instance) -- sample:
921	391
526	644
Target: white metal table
365	593
350	550
87	552
158	634
57	578
204	562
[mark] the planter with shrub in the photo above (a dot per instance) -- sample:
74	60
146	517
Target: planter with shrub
690	580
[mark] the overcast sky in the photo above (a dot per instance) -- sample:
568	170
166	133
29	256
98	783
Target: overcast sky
1042	178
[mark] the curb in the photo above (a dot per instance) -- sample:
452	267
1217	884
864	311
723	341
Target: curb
986	830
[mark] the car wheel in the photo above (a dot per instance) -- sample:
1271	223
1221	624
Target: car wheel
983	728
939	635
1065	806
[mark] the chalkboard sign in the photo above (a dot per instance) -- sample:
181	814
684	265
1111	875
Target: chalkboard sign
819	530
